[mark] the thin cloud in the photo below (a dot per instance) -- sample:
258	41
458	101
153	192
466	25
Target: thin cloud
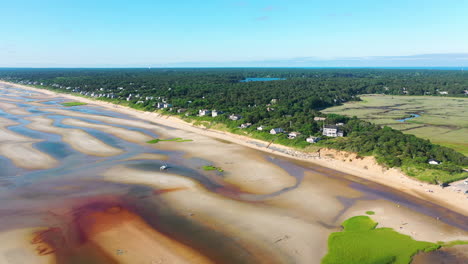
268	8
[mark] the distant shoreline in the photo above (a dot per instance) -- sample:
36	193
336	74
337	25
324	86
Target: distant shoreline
435	68
350	163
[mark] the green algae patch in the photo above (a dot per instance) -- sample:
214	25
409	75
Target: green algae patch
370	213
453	243
361	242
68	104
212	168
157	140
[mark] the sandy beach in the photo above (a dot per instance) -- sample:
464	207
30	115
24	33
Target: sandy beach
105	200
366	168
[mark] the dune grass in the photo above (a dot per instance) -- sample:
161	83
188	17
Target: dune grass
361	242
157	140
68	104
212	168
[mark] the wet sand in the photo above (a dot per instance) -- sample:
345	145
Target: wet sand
120	208
77	138
20	150
366	168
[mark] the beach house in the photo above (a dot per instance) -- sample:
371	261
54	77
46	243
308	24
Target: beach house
312	139
204	112
275	131
293	135
235	117
332	131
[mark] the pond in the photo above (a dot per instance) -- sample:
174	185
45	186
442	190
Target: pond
262	79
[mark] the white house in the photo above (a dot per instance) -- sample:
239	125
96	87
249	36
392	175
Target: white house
443	92
235	117
312	139
434	162
166	105
204	112
246	125
339	124
293	135
332	131
275	131
215	113
181	110
260	128
318	118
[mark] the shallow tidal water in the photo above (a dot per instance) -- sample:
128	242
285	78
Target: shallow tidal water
120	208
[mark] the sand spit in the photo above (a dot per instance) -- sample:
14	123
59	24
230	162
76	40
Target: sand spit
13	109
105	119
24	155
454	201
125	134
19	149
76	138
11	99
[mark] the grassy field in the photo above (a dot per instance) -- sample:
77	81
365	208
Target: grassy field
361	243
443	120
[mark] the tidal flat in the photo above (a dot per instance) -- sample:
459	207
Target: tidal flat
100	196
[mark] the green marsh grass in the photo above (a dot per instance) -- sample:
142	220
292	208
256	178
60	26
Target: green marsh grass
157	140
212	168
443	120
68	104
361	242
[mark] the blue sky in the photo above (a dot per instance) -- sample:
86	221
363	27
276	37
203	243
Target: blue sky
103	33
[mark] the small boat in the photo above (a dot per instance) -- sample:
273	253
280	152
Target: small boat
164	167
